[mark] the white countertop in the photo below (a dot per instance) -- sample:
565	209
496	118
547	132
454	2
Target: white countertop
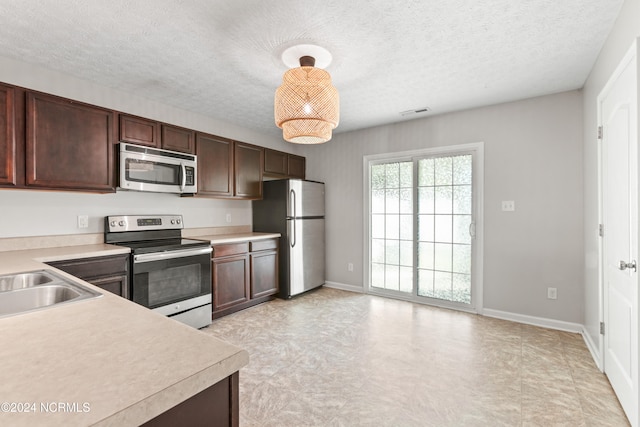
108	361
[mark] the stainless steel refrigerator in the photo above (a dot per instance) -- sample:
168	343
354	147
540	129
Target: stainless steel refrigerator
295	209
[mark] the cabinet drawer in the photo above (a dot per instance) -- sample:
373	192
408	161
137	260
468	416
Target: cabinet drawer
261	245
230	249
94	267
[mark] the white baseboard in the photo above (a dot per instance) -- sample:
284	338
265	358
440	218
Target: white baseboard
344	287
593	349
535	321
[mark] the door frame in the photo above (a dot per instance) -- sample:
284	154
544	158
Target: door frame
477	148
632	52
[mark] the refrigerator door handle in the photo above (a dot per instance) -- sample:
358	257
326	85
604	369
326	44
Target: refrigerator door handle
292	203
293	232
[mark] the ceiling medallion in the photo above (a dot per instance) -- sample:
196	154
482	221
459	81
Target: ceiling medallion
307	106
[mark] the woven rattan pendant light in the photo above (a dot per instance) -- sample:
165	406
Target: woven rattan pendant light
307	106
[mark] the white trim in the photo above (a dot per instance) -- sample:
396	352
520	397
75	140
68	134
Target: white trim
593	349
535	321
344	287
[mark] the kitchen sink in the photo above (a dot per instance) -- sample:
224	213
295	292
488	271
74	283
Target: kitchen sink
37	290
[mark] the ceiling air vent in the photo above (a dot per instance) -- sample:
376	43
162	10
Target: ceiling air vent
416	111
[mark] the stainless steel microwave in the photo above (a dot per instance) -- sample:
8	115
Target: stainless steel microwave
156	170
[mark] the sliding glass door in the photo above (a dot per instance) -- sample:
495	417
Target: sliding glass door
422	226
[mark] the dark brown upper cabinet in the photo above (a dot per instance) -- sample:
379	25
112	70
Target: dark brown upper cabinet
296	166
69	145
215	165
8	145
247	163
283	165
178	139
138	130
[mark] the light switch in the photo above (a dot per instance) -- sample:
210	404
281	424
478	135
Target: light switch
508	206
83	221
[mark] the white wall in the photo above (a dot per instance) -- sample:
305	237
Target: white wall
36	213
625	30
533	155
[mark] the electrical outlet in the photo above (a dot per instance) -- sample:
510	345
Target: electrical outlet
552	293
83	221
350	266
508	205
228	217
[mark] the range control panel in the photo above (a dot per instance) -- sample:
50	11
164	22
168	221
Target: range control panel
120	223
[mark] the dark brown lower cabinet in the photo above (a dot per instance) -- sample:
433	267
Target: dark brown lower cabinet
216	406
110	273
243	274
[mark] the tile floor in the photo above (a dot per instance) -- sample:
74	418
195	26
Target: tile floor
336	358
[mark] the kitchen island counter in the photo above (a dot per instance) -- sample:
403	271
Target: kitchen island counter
104	361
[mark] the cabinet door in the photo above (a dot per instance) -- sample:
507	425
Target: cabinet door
7	136
215	165
296	166
178	139
118	285
248	170
137	130
264	273
275	162
230	281
69	145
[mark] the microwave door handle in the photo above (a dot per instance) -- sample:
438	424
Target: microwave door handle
183	182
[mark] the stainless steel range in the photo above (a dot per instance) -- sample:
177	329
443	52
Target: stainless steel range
169	274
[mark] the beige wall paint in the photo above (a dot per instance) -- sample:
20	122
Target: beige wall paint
533	155
625	30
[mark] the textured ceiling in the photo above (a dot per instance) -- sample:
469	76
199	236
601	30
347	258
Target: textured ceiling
221	58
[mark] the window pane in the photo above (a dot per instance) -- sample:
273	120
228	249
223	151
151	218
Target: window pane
426	231
392	204
462	169
461	225
377	226
406	175
442	285
462	288
443	254
406	253
462	200
444	228
444	171
392	227
406	201
392	252
392	175
426	172
425	283
377	176
444	200
377	275
377	250
377	201
462	259
426	200
425	255
392	277
406	227
406	279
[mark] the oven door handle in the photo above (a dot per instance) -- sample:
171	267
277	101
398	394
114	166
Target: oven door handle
160	256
